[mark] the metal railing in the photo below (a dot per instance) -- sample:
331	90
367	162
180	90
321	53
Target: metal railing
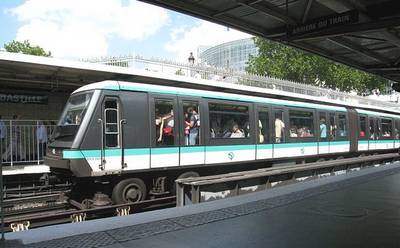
24	141
204	71
290	173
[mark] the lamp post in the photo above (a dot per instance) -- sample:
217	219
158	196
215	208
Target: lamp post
191	63
191	58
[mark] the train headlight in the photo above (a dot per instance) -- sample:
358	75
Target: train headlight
53	151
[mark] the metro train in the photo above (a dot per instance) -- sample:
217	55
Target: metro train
130	141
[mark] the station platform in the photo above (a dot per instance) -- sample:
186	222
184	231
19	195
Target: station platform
357	209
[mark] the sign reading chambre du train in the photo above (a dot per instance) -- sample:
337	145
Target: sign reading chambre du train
23	98
324	23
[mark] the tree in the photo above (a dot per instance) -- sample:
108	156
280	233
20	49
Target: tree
25	48
280	61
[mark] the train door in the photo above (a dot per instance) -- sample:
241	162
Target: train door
373	133
342	143
352	129
111	148
323	133
263	124
362	133
134	130
332	131
279	133
165	126
397	133
192	149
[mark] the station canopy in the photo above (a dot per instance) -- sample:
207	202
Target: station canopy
364	34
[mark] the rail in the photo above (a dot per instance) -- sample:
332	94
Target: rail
25	222
24	141
267	175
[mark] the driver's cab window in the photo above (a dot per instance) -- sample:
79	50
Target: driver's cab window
111	126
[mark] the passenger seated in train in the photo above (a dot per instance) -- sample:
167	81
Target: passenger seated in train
293	132
236	132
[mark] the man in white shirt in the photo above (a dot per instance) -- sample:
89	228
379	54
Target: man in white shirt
279	127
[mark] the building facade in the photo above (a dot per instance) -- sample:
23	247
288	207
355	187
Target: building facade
233	55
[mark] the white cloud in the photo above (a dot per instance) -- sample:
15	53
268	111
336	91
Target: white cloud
76	28
184	40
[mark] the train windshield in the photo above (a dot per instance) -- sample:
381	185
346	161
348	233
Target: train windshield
72	116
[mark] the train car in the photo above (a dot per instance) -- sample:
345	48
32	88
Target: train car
131	140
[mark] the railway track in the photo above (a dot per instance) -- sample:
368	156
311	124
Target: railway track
40	210
50	217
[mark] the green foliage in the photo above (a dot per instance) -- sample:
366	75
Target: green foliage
280	61
25	48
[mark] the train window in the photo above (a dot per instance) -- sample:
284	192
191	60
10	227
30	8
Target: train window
342	125
111	123
386	128
191	123
363	127
323	127
229	121
333	127
397	129
301	124
279	126
164	122
263	126
372	135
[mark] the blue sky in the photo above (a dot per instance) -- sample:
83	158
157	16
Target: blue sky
94	28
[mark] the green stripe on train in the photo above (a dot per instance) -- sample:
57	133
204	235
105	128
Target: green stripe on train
80	154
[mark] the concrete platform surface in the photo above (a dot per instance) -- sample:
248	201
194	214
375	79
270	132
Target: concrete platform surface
358	209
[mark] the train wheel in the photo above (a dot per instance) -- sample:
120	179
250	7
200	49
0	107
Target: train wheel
129	190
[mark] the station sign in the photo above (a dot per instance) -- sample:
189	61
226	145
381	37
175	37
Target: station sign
324	23
23	98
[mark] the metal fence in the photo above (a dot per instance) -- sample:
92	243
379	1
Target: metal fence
24	141
228	75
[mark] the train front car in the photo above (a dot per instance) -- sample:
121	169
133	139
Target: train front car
64	155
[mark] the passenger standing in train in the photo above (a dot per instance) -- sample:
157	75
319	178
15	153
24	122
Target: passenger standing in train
167	128
322	129
3	134
41	135
187	128
194	126
279	127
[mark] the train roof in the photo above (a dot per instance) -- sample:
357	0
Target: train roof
77	73
160	89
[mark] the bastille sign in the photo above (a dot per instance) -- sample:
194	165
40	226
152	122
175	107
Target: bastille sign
23	98
324	23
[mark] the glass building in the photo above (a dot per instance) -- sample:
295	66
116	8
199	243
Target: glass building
232	55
